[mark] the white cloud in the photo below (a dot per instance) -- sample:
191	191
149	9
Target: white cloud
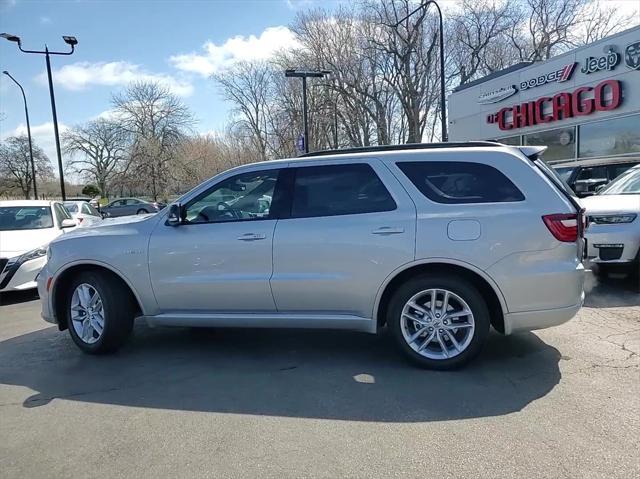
216	57
81	75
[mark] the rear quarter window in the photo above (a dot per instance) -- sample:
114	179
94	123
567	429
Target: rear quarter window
456	182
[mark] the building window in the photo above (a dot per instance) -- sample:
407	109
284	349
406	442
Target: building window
561	143
610	137
510	140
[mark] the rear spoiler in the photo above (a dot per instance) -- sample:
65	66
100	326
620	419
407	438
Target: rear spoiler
534	153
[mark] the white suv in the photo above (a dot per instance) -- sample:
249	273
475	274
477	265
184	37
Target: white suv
437	242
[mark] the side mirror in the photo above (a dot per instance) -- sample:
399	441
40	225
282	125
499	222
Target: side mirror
599	188
176	215
67	223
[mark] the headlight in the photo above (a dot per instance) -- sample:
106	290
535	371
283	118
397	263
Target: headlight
33	254
613	219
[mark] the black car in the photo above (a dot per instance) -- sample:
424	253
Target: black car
585	180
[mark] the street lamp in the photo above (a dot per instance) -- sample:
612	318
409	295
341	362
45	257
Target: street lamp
26	114
425	5
304	74
72	42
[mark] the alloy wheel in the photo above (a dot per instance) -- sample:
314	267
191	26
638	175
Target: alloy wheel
437	324
87	313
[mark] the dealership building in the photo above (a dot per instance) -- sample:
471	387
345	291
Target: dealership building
583	104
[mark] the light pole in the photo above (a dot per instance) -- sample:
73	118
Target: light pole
72	42
304	74
26	114
443	116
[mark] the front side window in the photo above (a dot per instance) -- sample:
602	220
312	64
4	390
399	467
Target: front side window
455	182
242	197
14	218
338	190
61	213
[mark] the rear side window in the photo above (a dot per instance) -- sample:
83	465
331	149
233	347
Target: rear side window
338	190
455	182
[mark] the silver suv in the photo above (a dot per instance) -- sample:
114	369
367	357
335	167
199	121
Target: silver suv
435	242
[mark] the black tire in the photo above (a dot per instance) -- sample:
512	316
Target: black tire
461	287
119	310
141	212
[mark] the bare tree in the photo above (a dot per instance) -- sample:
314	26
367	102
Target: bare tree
98	150
247	85
157	123
15	164
477	37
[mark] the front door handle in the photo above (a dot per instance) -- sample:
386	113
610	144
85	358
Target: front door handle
252	237
388	230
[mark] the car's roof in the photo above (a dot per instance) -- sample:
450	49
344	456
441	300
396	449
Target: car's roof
27	203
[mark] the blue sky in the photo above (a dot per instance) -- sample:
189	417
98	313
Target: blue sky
179	43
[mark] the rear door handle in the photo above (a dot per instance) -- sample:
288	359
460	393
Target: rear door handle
252	237
388	230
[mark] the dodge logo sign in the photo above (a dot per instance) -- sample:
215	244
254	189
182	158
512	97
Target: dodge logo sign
632	56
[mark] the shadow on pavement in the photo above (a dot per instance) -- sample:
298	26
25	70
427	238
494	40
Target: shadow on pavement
611	292
292	373
16	297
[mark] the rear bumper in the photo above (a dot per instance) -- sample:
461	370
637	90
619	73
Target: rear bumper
532	320
45	303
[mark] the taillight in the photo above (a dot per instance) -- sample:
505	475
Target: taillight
564	227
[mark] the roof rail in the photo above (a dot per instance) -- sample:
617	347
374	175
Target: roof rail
408	146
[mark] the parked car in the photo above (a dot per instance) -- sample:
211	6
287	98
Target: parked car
83	212
613	235
129	206
437	242
585	179
26	228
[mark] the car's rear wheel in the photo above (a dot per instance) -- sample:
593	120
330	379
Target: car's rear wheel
100	312
438	322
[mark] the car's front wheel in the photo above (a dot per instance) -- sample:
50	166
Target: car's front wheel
142	212
100	312
439	322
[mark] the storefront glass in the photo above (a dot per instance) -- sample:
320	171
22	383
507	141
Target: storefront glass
510	140
610	137
561	143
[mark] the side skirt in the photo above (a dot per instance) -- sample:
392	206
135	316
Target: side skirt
264	320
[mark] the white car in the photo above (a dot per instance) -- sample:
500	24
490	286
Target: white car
83	212
26	229
613	235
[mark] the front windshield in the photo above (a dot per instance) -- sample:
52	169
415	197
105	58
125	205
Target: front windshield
13	218
627	184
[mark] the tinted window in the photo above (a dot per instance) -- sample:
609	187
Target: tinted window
25	218
338	190
460	182
246	196
61	213
617	170
592	173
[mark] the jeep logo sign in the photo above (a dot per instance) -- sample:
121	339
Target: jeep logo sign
607	62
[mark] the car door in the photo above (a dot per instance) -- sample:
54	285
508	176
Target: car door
114	208
220	258
351	224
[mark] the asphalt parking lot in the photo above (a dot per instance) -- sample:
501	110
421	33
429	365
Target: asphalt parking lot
563	402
